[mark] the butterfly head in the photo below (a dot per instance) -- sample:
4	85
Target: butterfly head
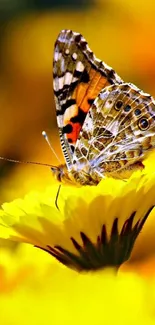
61	174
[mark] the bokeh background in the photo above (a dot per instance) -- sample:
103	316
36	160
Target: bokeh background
120	32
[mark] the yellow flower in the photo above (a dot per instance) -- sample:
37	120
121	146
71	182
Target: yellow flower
36	289
89	227
20	265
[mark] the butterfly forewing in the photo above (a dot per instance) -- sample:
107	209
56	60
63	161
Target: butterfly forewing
78	79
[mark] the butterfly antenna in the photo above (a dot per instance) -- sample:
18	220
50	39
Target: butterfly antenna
49	143
25	162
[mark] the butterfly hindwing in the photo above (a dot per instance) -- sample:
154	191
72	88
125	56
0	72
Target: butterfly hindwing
78	79
118	131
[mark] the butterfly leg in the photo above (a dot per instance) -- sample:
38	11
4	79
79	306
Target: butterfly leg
57	196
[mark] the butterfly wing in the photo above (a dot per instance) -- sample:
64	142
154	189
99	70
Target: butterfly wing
78	78
118	130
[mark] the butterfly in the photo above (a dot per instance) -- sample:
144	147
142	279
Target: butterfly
106	126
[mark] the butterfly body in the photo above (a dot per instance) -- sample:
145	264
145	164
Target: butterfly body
86	175
106	126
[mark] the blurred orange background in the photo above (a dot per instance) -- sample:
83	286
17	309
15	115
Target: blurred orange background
120	32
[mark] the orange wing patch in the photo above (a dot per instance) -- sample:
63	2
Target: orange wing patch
87	92
84	95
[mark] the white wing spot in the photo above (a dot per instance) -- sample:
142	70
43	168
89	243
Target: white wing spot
79	66
74	56
56	56
67	51
68	78
61	82
62	65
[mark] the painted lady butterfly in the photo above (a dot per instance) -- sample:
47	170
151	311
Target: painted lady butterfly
106	126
